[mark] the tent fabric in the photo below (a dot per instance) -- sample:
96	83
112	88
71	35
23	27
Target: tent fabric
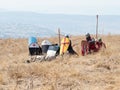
32	40
45	48
34	45
52	50
46	42
35	49
45	45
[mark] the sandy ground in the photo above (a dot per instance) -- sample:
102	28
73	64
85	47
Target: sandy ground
96	71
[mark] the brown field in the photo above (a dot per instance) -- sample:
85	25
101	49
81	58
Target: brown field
96	71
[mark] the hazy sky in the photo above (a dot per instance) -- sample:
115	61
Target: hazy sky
87	7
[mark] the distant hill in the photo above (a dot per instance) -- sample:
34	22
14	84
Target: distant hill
39	24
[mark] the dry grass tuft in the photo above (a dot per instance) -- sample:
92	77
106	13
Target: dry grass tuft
1	78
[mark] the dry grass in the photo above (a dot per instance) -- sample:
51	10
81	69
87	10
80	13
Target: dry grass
98	71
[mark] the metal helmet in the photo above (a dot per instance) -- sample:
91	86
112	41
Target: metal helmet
66	35
87	35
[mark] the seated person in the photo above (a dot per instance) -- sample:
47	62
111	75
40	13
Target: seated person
100	43
91	42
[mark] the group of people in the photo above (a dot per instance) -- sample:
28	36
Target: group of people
93	44
91	39
34	48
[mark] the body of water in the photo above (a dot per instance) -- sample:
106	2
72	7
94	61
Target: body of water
26	24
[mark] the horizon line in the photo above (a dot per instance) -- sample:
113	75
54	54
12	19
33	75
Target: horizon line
56	13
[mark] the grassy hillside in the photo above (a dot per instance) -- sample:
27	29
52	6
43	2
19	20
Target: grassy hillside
97	71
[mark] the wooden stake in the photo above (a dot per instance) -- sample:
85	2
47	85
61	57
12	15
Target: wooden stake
59	35
97	27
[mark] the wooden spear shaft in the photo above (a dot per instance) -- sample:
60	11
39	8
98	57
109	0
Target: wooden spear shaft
97	27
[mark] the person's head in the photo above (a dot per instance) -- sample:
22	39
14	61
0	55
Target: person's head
87	35
66	35
99	39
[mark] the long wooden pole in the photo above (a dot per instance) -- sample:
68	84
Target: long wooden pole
59	35
97	27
